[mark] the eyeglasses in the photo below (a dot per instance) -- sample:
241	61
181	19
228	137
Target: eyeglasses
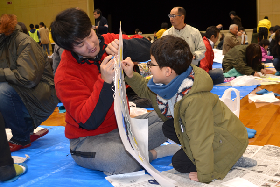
173	15
149	64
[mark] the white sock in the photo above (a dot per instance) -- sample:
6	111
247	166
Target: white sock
167	150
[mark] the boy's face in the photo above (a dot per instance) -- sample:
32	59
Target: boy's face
89	46
158	74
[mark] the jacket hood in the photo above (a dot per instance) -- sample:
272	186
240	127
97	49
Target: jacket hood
202	81
32	30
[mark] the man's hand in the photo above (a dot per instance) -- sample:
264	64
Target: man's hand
239	33
127	66
112	48
107	69
193	176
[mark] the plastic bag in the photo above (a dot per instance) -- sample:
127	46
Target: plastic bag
233	105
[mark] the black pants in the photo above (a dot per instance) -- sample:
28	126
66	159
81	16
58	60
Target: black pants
180	160
263	33
7	170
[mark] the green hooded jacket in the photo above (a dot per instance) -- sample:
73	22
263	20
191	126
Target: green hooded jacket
212	137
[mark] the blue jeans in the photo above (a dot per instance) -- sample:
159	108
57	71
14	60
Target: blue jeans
46	46
276	63
217	76
15	113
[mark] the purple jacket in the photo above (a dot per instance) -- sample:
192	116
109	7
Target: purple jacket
264	55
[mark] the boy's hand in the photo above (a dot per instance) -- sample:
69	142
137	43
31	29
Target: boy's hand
107	69
263	71
127	66
112	48
193	176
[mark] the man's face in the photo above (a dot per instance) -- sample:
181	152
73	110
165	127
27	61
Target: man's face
234	30
231	16
177	20
96	15
89	46
215	39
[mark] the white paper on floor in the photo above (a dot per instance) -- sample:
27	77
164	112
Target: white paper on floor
237	182
270	98
18	159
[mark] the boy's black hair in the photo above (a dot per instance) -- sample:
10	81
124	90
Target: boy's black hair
212	30
36	26
265	17
264	42
164	25
271	29
173	52
31	26
70	27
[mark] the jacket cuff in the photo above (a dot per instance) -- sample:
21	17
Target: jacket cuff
2	75
207	178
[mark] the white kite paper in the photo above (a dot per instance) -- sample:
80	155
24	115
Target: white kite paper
129	136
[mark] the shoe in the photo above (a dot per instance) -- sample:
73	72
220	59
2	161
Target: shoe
277	73
15	147
38	134
20	169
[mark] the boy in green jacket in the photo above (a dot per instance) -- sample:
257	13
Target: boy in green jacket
212	138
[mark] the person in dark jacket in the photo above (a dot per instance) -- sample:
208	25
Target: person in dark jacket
101	24
276	52
245	59
27	92
235	19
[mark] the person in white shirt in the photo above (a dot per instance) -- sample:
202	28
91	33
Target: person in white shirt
190	34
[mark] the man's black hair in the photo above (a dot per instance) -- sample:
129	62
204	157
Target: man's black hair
264	42
232	12
212	30
164	25
98	11
70	27
182	11
171	51
31	26
265	17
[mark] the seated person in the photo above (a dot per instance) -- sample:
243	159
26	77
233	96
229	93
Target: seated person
210	38
212	138
255	36
245	59
163	28
84	81
8	170
264	44
221	43
244	38
27	92
232	39
275	52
